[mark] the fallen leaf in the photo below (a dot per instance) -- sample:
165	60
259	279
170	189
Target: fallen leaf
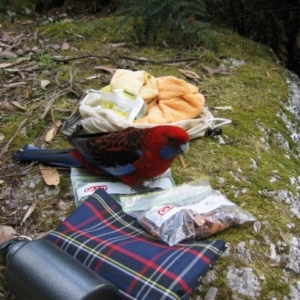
165	44
7	233
50	175
27	93
5	192
5	65
8	54
223	107
52	131
189	74
1	137
63	205
59	57
18	105
6	107
220	70
44	83
93	77
65	46
15	70
29	212
116	45
78	35
107	69
26	22
8	38
106	79
35	49
15	84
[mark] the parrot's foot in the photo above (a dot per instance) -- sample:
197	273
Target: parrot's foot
142	189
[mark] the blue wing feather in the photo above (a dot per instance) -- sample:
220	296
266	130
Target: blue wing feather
119	170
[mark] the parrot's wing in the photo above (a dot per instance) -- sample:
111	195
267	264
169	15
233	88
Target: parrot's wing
109	152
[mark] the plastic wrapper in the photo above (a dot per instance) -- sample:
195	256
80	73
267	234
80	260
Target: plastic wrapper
120	101
85	183
188	212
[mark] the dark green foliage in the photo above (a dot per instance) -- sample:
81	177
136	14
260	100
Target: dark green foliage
274	23
180	21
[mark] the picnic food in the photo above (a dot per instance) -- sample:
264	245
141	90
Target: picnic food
188	212
188	224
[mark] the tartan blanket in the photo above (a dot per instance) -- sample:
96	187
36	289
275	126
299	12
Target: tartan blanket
113	244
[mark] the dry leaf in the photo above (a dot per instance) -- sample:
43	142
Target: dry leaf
116	45
65	46
8	38
223	107
5	65
1	137
107	69
268	74
50	175
15	84
52	131
5	192
106	79
29	211
189	74
93	77
27	93
44	83
15	70
18	105
165	44
6	106
26	22
6	233
220	70
63	205
35	49
8	54
78	35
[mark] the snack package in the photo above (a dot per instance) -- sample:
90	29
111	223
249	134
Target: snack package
188	212
123	103
85	183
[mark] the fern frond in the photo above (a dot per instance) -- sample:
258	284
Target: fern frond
150	17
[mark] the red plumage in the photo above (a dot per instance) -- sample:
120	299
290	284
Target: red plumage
132	155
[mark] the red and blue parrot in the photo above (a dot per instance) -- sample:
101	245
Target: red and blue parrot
133	155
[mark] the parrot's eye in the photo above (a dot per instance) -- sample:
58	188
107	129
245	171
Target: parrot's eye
171	139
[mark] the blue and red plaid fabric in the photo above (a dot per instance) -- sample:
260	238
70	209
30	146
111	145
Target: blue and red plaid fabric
113	244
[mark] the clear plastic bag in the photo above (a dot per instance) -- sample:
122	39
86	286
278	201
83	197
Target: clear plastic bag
188	212
123	103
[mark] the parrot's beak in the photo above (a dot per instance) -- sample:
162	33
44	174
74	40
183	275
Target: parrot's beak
185	148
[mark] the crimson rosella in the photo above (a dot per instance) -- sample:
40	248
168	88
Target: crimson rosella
132	155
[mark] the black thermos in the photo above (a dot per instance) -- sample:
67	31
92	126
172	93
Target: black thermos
40	270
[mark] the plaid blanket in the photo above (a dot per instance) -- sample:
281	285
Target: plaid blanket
113	244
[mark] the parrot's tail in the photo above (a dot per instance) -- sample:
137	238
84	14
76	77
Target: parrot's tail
63	158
